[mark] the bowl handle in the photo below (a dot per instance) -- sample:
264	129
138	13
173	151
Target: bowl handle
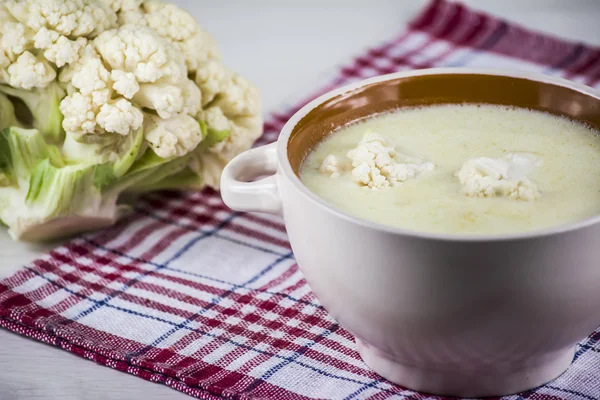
262	195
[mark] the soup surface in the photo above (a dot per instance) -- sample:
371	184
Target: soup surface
464	169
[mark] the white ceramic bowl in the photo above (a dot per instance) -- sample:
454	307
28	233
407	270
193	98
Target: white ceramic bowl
449	315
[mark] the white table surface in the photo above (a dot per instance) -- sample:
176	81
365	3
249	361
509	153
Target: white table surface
284	47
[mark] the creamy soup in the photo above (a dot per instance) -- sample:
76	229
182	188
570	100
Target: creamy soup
460	169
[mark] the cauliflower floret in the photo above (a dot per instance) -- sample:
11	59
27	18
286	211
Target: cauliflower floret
232	98
211	78
199	49
491	177
173	137
525	190
215	118
91	76
100	97
374	163
166	99
233	106
242	132
85	53
58	49
169	100
143	52
119	117
79	113
95	113
192	98
168	20
234	95
124	83
67	17
332	166
366	176
208	165
238	97
178	27
30	71
15	37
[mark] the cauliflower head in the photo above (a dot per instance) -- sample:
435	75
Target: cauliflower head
104	99
496	177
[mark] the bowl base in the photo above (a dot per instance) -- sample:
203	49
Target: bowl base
460	384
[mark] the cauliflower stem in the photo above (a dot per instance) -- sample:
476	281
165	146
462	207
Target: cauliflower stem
121	151
56	194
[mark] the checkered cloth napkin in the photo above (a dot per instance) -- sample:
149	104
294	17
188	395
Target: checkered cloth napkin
186	293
